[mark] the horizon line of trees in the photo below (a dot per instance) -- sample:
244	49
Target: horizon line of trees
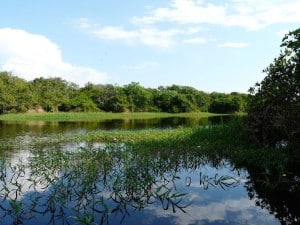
58	95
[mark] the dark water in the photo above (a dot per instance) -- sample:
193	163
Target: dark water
11	129
116	184
19	134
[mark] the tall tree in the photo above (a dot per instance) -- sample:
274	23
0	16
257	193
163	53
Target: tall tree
138	97
273	112
54	94
112	99
15	94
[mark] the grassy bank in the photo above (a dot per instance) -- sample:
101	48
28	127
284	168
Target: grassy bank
69	117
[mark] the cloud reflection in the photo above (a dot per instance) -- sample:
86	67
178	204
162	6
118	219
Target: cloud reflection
228	211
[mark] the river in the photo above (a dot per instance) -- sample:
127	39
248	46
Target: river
112	184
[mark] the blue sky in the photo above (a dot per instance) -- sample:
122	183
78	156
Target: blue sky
220	45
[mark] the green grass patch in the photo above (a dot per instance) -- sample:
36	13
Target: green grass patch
72	116
210	138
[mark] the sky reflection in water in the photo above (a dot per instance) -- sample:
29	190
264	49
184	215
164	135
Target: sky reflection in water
119	186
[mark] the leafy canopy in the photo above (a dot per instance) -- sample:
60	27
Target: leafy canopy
274	105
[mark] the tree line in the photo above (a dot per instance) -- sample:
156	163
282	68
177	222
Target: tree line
56	94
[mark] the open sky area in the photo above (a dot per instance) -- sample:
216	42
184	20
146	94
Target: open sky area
211	45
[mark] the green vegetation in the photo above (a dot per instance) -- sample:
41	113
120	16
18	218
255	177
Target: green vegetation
57	95
96	116
274	106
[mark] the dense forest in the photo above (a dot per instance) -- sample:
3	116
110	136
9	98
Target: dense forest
56	94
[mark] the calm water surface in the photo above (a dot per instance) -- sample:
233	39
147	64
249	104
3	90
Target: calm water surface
114	184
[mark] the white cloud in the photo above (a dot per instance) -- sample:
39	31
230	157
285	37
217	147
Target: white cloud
161	38
29	56
145	35
115	33
184	11
148	36
249	14
245	210
84	23
234	45
198	40
187	18
147	65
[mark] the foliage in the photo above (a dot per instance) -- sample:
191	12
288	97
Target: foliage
274	105
53	94
138	98
111	99
176	99
15	94
222	103
84	99
58	95
81	102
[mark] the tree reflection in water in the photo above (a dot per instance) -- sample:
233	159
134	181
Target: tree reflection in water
91	185
109	183
280	195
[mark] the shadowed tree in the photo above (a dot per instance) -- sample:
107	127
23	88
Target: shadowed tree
273	112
